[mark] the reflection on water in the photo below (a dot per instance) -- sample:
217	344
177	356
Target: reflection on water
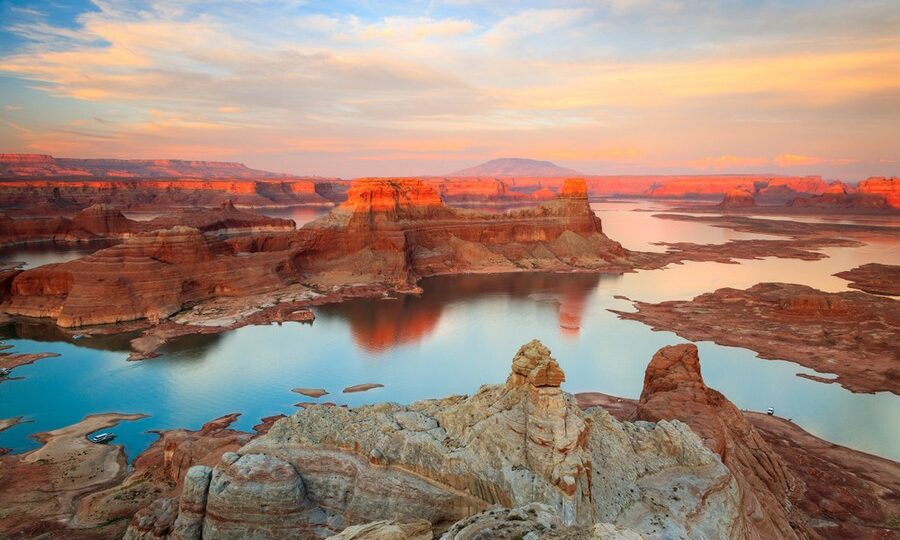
379	325
461	333
38	253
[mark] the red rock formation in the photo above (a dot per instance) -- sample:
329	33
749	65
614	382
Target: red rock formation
674	389
872	193
738	198
873	278
151	275
394	230
98	221
887	188
840	333
153	194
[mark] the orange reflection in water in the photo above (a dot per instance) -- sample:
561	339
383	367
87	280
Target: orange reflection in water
379	325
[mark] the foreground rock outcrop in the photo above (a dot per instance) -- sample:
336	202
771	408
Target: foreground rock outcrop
674	388
848	334
516	444
786	474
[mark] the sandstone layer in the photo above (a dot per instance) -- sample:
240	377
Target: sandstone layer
105	222
738	198
849	334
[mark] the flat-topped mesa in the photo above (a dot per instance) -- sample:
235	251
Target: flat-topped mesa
393	199
674	389
888	188
445	460
873	193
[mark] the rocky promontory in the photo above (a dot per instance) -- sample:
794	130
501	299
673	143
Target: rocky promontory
849	334
874	278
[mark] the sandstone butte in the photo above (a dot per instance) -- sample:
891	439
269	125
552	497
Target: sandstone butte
738	198
515	458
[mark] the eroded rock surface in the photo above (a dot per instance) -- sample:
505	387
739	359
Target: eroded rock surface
515	444
874	278
674	388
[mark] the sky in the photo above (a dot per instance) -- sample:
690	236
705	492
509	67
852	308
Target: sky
427	87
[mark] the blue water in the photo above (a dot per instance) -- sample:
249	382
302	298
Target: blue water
461	333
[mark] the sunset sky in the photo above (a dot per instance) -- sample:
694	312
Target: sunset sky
406	88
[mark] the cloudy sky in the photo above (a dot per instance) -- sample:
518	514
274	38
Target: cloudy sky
405	88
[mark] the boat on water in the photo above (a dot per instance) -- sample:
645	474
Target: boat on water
4	372
101	438
770	411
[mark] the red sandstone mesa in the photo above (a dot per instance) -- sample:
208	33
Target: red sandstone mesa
396	230
872	193
888	188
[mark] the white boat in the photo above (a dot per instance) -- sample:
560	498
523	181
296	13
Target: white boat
4	372
770	411
101	438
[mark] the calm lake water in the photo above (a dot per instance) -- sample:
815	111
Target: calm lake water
461	333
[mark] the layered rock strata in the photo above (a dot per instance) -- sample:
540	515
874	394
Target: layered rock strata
149	276
394	231
520	443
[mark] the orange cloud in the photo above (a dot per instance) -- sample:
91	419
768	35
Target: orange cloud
794	160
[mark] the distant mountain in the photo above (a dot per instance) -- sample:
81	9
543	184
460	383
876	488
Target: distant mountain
516	167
